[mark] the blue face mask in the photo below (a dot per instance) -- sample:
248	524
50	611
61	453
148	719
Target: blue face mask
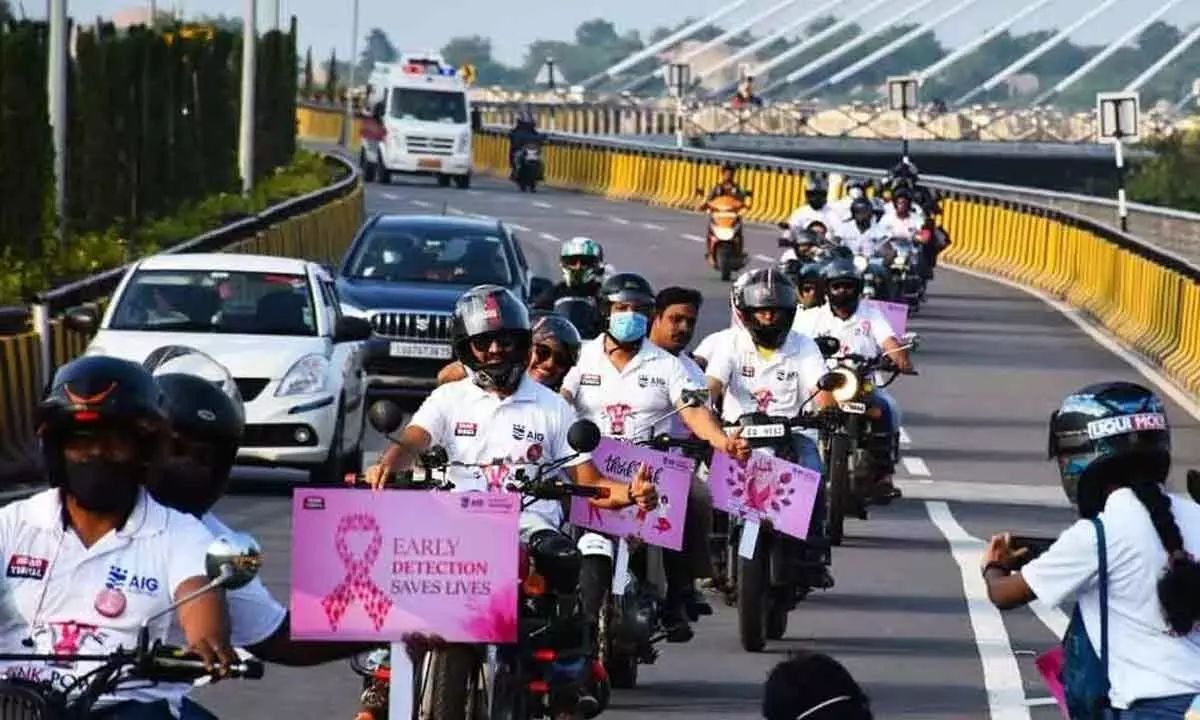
627	327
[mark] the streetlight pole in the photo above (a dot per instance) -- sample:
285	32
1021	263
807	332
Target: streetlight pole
348	123
249	53
56	93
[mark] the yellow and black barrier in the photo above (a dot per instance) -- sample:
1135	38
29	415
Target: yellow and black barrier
322	235
1146	298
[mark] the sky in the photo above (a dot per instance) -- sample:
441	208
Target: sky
327	24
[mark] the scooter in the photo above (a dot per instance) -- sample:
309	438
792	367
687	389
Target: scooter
725	238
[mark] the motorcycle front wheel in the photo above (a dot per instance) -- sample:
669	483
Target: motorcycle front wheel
455	689
839	484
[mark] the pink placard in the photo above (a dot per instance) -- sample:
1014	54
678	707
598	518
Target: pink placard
895	313
1050	666
372	566
766	488
671	473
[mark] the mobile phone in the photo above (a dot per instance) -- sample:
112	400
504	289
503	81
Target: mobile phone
1034	546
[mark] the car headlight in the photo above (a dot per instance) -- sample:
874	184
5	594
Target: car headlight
352	311
309	375
849	387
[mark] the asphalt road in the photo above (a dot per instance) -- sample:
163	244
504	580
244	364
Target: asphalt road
907	616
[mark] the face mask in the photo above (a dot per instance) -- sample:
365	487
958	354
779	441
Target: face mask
848	301
186	486
104	486
627	327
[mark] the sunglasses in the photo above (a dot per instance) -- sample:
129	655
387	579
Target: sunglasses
482	343
542	353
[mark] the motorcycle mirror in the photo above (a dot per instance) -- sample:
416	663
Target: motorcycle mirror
1193	484
385	416
783	226
830	381
785	241
695	398
234	560
434	457
827	345
911	340
583	436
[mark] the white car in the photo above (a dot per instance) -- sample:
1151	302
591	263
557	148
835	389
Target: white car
276	324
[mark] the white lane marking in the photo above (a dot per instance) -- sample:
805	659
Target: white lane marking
619	220
652	226
904	438
1041	702
916	466
693	238
519	228
764	258
421	203
1148	371
578	213
391	196
474	192
540	204
983	492
1001	673
548	236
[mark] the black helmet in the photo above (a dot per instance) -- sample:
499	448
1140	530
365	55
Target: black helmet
816	191
902	191
839	272
626	288
766	288
810	274
558	328
491	312
1105	422
97	392
860	205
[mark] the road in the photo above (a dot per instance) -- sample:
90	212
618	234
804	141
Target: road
907	616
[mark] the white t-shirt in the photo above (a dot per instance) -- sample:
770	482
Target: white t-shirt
475	426
624	403
805	215
777	385
54	587
254	614
863	333
679	428
1144	660
905	227
861	242
709	345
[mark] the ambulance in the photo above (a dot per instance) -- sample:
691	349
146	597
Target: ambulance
418	122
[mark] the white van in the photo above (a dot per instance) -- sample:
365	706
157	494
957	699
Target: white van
418	123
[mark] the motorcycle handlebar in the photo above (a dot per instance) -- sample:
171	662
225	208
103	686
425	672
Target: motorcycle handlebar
171	665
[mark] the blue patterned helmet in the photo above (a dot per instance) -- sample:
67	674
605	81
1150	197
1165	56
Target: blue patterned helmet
582	261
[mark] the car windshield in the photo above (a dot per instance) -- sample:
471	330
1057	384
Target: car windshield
429	105
431	255
216	301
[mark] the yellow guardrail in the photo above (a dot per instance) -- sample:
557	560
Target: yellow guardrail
321	235
1147	299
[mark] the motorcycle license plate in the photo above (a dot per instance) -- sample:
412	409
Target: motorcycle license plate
755	432
855	408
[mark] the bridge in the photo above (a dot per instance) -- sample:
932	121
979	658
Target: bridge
1040	296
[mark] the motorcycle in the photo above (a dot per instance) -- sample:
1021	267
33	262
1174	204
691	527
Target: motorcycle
725	238
856	454
530	169
629	614
547	673
232	562
907	276
583	313
877	283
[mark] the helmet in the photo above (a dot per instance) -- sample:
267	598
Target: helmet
728	166
766	288
207	415
93	393
859	206
558	329
492	312
841	271
1102	424
588	255
626	288
816	191
902	191
856	188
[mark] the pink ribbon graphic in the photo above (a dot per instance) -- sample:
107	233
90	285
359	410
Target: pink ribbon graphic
357	585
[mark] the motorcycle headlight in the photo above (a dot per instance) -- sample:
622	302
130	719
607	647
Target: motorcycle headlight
309	375
848	390
901	261
861	262
724	233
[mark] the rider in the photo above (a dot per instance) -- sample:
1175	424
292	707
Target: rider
1112	444
727	187
524	131
855	188
556	345
769	368
903	219
862	234
812	235
863	330
816	205
103	429
676	310
582	262
623	382
706	347
810	287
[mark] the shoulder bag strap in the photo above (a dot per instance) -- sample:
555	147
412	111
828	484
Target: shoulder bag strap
1102	552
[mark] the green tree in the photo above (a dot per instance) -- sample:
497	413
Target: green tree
477	50
331	75
377	48
308	73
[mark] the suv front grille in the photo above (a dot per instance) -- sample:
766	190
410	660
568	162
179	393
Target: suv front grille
412	325
429	145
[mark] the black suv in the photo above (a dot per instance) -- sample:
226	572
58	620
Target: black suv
403	273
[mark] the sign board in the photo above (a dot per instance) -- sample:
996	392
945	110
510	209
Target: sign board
903	92
678	77
468	74
1118	116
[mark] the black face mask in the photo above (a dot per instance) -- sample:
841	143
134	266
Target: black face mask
848	301
104	486
186	486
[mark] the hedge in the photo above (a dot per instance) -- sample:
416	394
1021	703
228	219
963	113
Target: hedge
152	128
